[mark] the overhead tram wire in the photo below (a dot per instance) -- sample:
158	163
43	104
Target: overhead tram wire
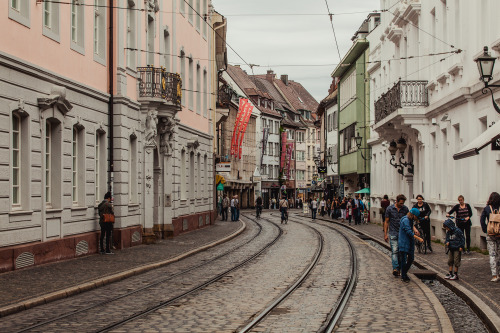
333	29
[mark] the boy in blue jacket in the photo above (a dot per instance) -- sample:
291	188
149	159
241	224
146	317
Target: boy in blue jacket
455	241
406	242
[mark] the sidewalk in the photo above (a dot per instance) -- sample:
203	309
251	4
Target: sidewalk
40	284
474	273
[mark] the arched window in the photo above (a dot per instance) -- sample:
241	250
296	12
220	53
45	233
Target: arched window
16	160
183	175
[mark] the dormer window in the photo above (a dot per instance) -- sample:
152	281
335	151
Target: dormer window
258	101
271	106
296	117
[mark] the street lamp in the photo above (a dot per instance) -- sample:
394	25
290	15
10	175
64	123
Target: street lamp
359	139
485	65
401	146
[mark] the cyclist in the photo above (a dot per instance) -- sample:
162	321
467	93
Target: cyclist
284	210
258	206
424	220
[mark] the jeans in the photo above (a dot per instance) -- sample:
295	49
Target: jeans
224	213
106	229
393	241
426	228
406	259
465	227
283	213
233	213
237	214
313	211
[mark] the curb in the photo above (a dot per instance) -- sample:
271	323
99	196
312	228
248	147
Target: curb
482	310
70	291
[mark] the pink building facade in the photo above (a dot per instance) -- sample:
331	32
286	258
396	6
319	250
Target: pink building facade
112	96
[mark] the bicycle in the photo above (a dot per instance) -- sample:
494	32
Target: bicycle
421	246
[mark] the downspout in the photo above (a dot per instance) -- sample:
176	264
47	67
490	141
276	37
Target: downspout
110	103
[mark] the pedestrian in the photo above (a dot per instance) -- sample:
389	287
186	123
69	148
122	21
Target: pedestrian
219	205
283	209
366	213
383	206
491	213
393	216
258	206
314	208
349	210
425	222
237	205
322	204
106	220
357	209
463	215
336	207
225	206
343	207
455	242
273	201
233	208
406	242
329	207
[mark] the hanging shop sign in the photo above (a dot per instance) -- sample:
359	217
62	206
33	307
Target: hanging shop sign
234	138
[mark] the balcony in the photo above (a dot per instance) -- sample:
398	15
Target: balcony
157	83
403	94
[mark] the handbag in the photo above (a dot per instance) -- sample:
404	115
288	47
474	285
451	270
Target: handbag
493	229
109	218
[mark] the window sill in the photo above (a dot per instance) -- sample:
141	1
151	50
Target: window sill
53	210
77	208
20	212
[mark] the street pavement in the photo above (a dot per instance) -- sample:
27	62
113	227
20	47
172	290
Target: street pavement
35	285
474	272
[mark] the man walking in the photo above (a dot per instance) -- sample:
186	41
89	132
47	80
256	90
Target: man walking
406	242
357	210
233	208
225	206
393	216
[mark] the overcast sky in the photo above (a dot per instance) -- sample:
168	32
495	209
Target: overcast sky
273	40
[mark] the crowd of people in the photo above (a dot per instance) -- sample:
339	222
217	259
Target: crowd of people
400	225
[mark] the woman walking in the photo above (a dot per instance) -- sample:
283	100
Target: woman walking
492	241
343	207
463	215
425	222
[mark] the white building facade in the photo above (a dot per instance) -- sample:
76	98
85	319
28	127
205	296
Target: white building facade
433	102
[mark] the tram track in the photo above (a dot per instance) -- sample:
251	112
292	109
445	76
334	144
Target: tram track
143	312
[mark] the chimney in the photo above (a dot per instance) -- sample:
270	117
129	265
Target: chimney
270	75
284	78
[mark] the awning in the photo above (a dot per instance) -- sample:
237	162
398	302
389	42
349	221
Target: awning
365	191
473	148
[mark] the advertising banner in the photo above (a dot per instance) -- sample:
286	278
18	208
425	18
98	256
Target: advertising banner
244	124
264	144
241	107
289	150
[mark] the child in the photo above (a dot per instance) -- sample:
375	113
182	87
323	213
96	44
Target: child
455	241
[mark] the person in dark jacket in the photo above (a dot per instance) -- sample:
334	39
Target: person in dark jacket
463	215
105	207
455	242
492	242
406	242
425	222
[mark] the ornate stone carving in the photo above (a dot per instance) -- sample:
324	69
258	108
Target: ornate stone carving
193	143
167	128
151	128
56	99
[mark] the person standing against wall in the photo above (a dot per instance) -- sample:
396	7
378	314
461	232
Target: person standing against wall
105	209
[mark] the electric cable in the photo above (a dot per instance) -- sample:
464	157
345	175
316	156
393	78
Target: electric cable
333	29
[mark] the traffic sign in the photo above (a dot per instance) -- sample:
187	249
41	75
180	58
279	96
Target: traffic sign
321	169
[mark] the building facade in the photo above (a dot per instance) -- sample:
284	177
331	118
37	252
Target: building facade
92	114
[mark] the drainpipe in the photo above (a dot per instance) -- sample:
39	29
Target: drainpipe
110	103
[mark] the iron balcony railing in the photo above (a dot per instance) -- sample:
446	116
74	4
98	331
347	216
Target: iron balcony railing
158	83
403	94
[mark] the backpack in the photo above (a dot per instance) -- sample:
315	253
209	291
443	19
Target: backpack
361	205
493	229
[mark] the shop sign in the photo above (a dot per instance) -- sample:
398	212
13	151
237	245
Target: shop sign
495	144
223	167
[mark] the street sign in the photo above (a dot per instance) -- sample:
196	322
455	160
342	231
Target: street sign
321	169
220	187
223	167
495	144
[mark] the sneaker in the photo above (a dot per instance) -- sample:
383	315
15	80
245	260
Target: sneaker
467	252
406	279
495	279
395	272
109	252
454	277
102	252
448	276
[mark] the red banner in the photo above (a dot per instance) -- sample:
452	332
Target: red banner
289	152
244	124
241	108
283	149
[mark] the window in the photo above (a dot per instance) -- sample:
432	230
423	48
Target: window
183	175
205	174
198	177
205	93
166	50
132	170
100	31
300	174
183	75
51	20
53	179
20	178
74	158
190	83
100	165
198	88
198	9
190	11
151	41
77	21
277	127
183	7
19	11
349	88
204	24
301	155
347	142
191	175
270	152
131	36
